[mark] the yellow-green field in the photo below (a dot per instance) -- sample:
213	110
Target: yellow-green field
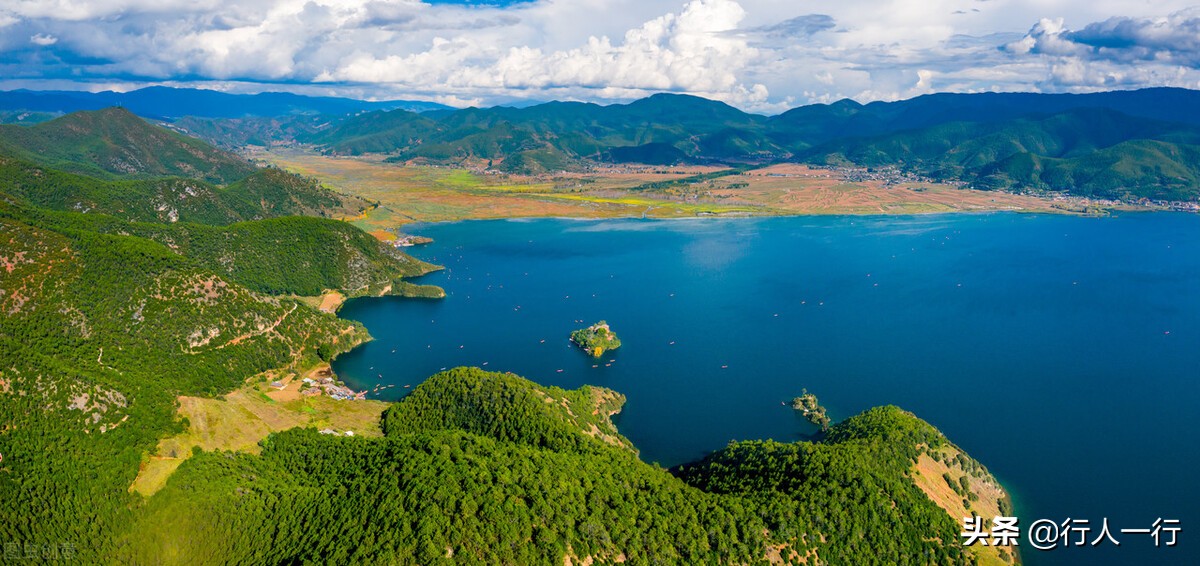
239	420
433	194
408	193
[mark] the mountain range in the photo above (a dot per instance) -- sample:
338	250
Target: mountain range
1122	144
166	102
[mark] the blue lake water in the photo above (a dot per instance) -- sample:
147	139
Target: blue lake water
1062	352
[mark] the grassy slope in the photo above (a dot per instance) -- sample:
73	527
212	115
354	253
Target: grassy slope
244	417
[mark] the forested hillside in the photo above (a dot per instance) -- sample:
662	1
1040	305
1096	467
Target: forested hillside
527	484
107	322
264	193
100	333
1089	152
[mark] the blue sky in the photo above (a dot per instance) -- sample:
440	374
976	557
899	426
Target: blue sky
761	55
500	3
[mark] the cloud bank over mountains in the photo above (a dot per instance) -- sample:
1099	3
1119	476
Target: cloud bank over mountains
761	55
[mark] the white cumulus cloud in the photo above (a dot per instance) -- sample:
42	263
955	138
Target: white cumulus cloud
42	39
686	51
761	55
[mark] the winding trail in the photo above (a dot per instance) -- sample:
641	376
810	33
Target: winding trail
271	328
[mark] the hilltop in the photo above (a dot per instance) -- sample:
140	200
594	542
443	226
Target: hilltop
112	143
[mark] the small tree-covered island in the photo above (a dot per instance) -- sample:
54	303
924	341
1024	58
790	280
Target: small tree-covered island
596	339
811	409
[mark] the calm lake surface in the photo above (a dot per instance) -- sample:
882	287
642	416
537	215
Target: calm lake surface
1061	352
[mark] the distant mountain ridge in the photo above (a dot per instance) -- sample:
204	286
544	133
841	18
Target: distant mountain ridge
1125	144
167	102
1121	144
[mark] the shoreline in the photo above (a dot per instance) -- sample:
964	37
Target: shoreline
418	224
413	195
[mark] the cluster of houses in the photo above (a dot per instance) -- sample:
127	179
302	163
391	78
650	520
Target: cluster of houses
407	241
336	433
1177	206
325	385
890	175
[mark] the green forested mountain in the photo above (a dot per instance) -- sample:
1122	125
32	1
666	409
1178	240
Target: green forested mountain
707	130
815	124
558	135
265	193
113	162
1140	145
237	133
279	256
1106	144
114	143
374	132
106	321
1091	152
527	483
